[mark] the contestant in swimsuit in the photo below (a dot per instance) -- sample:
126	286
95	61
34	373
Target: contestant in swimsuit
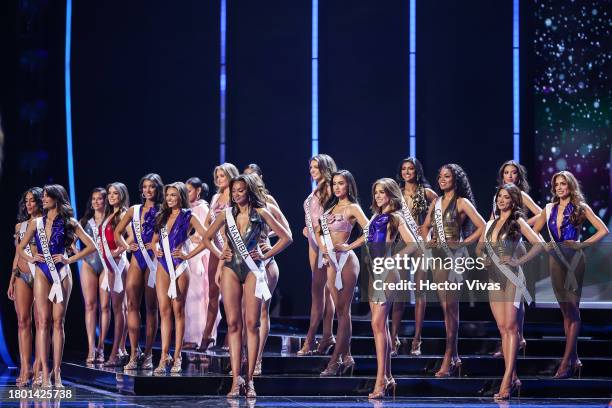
512	172
196	304
564	217
336	224
384	228
116	269
502	239
21	285
91	278
142	270
220	201
272	271
242	277
451	217
418	195
173	224
322	306
55	234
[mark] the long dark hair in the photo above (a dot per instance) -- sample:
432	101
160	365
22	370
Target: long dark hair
327	166
164	213
159	188
22	212
89	211
521	181
420	173
64	212
352	194
124	202
516	210
255	197
196	183
461	185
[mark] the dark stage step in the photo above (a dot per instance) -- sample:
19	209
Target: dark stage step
193	382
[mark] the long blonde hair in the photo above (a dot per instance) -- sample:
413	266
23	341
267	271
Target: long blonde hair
392	190
230	171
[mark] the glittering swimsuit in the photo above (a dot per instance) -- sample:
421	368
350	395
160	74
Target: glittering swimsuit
147	227
178	234
450	221
251	238
338	222
57	242
503	246
569	232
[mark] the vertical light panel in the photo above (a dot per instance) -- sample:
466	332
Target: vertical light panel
222	83
412	83
69	106
314	133
516	142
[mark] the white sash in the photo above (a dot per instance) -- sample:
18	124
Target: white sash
56	287
517	280
570	280
118	269
311	231
174	273
331	253
98	241
414	229
218	235
22	230
261	287
452	276
151	264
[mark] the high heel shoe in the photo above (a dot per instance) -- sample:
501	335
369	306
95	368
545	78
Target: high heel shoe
133	363
415	349
250	390
57	379
37	382
453	368
325	346
91	357
99	356
205	343
390	386
177	367
523	346
380	391
308	349
396	345
147	362
237	387
570	371
163	365
348	365
333	368
257	370
498	353
507	393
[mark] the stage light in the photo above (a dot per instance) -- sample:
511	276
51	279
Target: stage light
516	143
71	186
222	83
314	110
412	83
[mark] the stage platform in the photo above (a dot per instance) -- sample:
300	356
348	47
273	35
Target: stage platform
286	374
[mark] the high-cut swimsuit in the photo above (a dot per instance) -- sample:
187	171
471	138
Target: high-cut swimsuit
93	259
27	277
109	233
177	236
378	247
217	208
569	232
147	227
57	245
251	238
503	246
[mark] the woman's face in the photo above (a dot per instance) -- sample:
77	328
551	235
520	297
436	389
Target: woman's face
148	189
221	179
97	201
114	198
504	200
240	194
510	174
173	199
314	170
48	202
562	189
445	179
340	186
30	204
193	193
408	172
380	196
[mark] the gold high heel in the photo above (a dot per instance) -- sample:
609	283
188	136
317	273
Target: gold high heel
415	349
177	367
348	365
396	346
325	346
257	370
381	392
523	346
163	365
453	368
333	368
99	356
250	390
306	350
507	394
236	388
570	371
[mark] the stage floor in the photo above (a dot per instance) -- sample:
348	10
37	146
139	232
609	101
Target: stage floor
92	397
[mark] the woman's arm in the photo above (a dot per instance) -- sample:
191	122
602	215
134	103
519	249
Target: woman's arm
426	226
537	246
284	237
355	211
430	195
468	209
209	234
602	229
120	228
26	241
195	223
280	217
540	221
531	206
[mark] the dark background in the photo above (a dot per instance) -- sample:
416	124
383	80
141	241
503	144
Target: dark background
145	97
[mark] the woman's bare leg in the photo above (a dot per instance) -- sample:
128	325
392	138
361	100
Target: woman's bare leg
178	307
89	285
24	297
272	273
252	306
43	328
165	309
59	318
213	300
232	301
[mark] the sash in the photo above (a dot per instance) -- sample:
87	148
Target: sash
414	228
97	240
151	264
311	231
218	235
174	273
118	269
22	230
494	206
338	263
56	287
570	280
517	280
261	287
452	276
